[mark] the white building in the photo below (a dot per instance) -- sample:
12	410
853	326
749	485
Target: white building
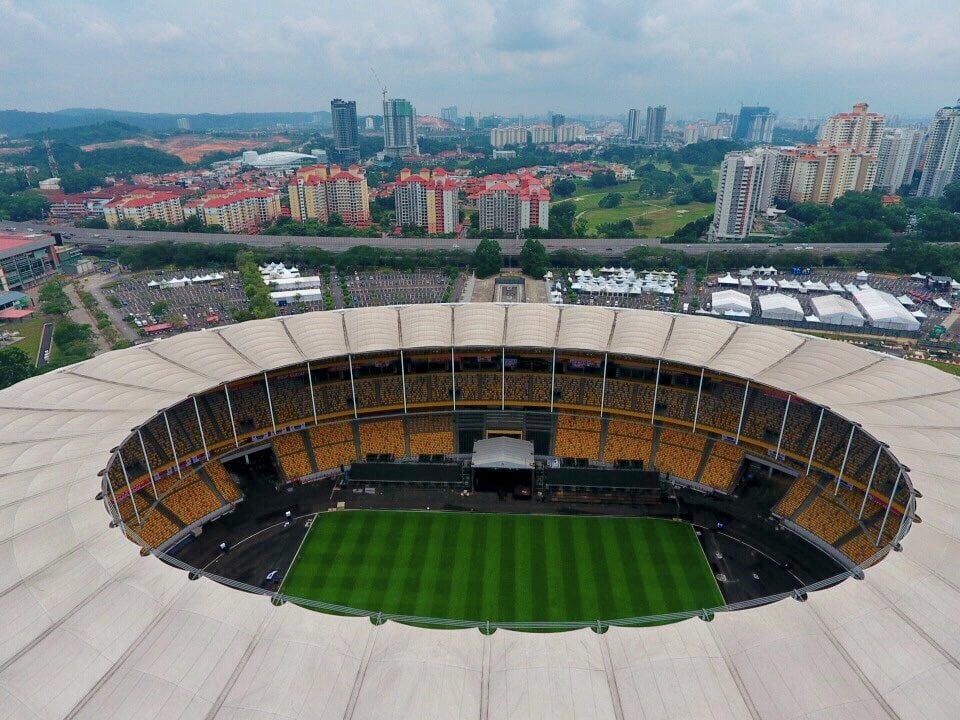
897	158
731	302
859	129
780	307
942	164
501	137
835	310
745	187
884	310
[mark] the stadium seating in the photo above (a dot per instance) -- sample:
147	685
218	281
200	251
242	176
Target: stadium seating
859	548
676	403
578	437
429	389
826	520
221	479
764	417
679	453
798	491
333	398
332	445
628	441
578	390
629	395
184	428
251	407
722	466
156	529
291	398
431	435
382	437
192	500
215	416
125	507
720	405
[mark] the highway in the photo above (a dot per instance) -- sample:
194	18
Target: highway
613	248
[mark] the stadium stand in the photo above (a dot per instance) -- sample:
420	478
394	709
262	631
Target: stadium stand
332	445
826	520
720	404
722	466
191	501
221	479
578	437
679	453
382	437
156	529
629	441
251	408
798	491
431	435
859	548
291	398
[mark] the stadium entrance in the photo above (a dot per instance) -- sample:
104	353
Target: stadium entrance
503	465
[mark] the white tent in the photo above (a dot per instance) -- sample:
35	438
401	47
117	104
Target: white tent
863	275
918	276
919	315
780	307
942	304
883	310
771	270
850	288
814	286
726	301
728	279
746	282
835	310
765	282
812	318
152	283
836	287
789	285
906	301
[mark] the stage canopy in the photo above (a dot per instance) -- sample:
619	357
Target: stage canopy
503	453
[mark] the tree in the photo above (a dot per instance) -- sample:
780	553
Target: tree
533	258
938	225
153	225
622	229
562	216
159	308
53	300
702	191
23	206
602	179
335	219
15	366
951	197
611	200
564	187
486	258
682	198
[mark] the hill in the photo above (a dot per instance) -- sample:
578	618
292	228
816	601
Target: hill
109	131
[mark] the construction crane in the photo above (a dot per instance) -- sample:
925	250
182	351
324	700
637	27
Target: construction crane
383	89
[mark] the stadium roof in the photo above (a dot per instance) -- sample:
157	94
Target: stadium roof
92	629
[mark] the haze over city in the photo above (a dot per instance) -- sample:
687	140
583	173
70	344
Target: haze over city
804	59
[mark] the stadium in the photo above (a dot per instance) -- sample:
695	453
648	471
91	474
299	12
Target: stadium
482	510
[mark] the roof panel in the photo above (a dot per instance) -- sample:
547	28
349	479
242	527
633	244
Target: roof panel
696	338
531	325
264	342
754	348
478	325
585	328
372	329
640	333
206	353
318	334
426	326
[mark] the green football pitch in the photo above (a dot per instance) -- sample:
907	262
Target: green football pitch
502	568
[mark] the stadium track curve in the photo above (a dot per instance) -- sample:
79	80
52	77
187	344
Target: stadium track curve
92	629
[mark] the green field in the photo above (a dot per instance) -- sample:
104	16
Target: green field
666	218
502	568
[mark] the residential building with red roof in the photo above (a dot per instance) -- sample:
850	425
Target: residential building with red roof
513	204
318	191
428	200
140	206
236	210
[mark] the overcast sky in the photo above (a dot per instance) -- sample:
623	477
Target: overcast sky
803	58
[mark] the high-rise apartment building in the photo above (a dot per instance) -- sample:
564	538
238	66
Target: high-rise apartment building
140	206
859	129
541	134
569	132
897	158
744	188
820	174
656	120
317	192
634	125
427	200
514	207
236	210
942	160
399	128
449	114
346	134
557	119
501	137
755	123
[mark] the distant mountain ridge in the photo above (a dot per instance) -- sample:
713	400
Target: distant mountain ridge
17	123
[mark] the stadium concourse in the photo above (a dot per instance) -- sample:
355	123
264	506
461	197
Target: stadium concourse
91	628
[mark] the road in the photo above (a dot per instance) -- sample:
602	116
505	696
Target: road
612	248
46	339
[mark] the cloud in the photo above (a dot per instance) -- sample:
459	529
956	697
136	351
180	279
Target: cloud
802	57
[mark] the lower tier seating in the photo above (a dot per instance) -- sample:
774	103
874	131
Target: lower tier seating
578	437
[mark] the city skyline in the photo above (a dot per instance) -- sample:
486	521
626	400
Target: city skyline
600	58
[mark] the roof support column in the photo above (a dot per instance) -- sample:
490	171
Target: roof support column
603	387
843	465
273	418
353	387
696	412
173	448
233	424
403	382
656	389
126	479
743	409
886	514
911	504
203	439
143	449
313	400
453	377
116	505
503	378
553	377
783	425
816	436
873	471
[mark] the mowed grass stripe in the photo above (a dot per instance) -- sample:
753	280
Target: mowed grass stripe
503	567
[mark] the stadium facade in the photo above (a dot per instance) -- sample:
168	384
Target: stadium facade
92	629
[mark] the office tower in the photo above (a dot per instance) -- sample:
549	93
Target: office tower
557	119
656	119
634	126
427	200
942	160
859	129
755	124
897	158
744	188
346	140
399	128
469	122
317	192
449	114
